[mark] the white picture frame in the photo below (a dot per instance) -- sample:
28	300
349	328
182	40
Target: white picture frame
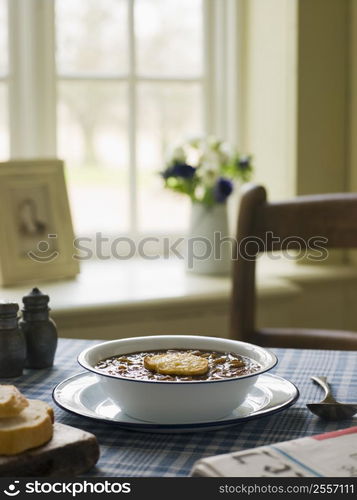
36	231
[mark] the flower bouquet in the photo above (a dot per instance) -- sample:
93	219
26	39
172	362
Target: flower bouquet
205	169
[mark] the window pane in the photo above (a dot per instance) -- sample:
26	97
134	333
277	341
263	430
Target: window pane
168	113
3	37
169	37
4	123
92	139
91	36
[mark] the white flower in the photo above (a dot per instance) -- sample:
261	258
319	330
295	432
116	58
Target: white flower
209	170
226	152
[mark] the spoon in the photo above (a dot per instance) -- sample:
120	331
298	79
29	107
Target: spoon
329	408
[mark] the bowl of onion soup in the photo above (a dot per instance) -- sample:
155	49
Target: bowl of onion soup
177	378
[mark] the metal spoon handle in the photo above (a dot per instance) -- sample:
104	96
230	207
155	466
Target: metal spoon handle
322	381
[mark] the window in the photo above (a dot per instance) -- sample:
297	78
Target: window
130	84
110	86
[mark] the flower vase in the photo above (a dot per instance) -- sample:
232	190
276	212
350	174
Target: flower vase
208	248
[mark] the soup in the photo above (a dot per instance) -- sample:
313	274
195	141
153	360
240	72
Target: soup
174	365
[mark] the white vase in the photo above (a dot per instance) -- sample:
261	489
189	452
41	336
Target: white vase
208	247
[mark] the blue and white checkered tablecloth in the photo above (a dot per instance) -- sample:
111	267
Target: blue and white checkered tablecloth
128	453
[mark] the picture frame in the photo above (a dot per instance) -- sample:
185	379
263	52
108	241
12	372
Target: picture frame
36	231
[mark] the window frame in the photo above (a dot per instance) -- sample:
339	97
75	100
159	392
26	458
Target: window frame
32	80
4	75
4	80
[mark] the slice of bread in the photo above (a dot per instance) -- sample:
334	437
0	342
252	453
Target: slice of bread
31	428
12	402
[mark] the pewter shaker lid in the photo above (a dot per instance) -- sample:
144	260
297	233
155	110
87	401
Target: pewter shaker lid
36	299
8	308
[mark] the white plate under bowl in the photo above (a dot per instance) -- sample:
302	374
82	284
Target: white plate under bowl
83	396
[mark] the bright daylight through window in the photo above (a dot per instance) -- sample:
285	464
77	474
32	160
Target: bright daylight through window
130	84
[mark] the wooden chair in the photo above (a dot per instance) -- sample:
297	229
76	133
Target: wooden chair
333	216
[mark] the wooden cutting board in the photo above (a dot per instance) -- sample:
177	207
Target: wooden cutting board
70	452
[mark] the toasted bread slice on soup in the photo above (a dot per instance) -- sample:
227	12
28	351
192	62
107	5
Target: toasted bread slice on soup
177	363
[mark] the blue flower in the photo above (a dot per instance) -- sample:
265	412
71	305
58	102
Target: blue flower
222	189
179	170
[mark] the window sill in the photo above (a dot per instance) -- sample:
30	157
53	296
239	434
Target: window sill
139	292
126	284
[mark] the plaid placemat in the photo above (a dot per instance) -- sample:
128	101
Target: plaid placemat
128	453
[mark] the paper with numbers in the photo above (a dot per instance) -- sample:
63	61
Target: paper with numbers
332	454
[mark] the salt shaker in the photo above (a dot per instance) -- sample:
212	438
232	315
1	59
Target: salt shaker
39	330
12	342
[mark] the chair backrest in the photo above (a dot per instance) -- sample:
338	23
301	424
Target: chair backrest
265	226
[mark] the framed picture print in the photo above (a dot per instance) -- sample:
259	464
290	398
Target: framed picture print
36	232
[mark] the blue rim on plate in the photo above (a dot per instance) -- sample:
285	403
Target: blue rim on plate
70	396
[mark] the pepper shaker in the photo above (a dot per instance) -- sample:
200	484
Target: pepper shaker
39	330
12	342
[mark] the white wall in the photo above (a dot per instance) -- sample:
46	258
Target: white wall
269	92
353	98
322	96
296	94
